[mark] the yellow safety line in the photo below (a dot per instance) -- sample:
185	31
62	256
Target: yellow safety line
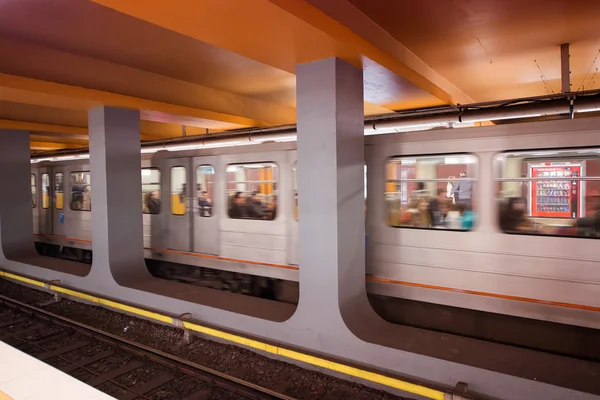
280	351
22	279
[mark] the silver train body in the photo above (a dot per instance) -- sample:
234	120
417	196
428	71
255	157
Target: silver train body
540	277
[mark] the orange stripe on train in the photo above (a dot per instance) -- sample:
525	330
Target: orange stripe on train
369	278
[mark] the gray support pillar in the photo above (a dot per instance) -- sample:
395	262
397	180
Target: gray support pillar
16	218
331	192
115	161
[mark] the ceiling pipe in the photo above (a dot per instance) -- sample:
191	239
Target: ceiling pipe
388	123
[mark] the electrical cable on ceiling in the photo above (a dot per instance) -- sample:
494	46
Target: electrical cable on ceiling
588	71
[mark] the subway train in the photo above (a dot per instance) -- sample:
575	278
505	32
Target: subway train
499	219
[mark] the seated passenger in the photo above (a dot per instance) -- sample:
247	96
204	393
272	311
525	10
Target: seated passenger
590	225
454	217
205	204
256	209
153	203
422	219
237	208
468	217
438	208
514	218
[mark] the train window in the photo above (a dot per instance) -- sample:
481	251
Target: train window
435	192
45	191
295	171
150	191
178	190
81	191
554	192
33	192
205	179
58	191
252	191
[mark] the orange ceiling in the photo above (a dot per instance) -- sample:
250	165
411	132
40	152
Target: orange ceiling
489	48
218	65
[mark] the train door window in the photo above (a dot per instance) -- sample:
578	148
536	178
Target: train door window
252	191
58	191
151	191
81	191
205	180
295	172
178	190
553	192
432	192
33	192
45	191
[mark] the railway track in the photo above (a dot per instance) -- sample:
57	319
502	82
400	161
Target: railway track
121	368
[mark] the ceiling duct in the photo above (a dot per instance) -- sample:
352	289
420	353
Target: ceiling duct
441	117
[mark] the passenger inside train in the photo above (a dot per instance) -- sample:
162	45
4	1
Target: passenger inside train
152	203
252	191
251	206
543	193
424	193
204	204
550	193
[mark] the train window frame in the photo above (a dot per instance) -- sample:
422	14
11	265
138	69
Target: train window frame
184	189
206	211
33	189
414	158
274	181
548	156
88	185
144	202
46	191
56	207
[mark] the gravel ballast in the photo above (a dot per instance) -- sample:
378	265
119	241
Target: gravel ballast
241	363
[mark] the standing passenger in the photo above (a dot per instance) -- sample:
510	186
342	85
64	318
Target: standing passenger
153	203
450	189
463	191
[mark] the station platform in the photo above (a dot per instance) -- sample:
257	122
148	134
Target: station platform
24	377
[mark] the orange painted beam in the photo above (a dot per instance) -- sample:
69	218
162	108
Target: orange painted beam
284	33
35	137
33	91
34	126
53	146
64	134
344	22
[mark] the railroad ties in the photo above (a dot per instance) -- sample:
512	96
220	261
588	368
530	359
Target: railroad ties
116	366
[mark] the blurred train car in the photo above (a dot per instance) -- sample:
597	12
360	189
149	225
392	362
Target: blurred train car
500	219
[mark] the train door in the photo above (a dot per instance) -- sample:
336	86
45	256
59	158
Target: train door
181	213
206	226
35	207
45	206
57	179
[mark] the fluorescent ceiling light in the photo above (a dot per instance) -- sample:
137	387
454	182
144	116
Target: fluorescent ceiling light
407	128
500	118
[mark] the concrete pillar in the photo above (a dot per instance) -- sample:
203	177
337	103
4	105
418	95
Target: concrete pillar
16	217
115	161
330	184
